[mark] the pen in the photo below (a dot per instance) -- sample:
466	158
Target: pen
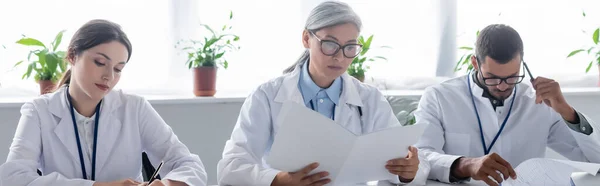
528	72
155	173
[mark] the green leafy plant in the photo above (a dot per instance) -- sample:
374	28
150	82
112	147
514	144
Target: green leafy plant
465	60
46	61
211	51
593	51
358	67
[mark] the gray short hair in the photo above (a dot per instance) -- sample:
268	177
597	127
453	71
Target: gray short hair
324	15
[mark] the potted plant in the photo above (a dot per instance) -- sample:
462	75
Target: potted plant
206	55
46	61
358	67
465	59
593	51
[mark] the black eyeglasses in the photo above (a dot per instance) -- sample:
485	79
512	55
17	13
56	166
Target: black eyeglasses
511	80
330	48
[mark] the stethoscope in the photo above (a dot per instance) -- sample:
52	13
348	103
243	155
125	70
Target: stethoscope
485	149
83	170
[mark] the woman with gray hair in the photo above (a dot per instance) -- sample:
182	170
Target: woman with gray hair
318	80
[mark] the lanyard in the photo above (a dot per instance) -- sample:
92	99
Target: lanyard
93	177
312	106
485	149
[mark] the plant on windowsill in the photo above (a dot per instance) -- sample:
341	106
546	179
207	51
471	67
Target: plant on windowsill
47	64
465	60
358	67
404	109
205	56
593	51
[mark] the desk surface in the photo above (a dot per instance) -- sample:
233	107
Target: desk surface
580	179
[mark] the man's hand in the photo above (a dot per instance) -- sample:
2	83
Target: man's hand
406	168
484	167
548	91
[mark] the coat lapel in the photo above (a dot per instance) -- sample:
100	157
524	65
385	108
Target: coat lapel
109	126
349	101
109	129
64	130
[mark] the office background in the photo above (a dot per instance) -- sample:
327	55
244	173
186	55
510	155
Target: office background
424	39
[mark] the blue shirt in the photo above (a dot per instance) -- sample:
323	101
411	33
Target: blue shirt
323	100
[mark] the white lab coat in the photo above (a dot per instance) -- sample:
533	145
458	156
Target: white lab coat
45	140
245	153
452	129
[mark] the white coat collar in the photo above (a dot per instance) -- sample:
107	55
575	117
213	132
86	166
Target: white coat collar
109	127
289	89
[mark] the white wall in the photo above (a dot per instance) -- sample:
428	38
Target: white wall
204	124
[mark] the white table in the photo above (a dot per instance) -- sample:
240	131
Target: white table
580	179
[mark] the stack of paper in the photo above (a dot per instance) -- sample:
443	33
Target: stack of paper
306	136
543	171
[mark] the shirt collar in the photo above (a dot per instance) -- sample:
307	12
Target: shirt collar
310	89
486	93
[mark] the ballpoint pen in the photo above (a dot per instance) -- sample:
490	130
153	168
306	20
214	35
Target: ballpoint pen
153	177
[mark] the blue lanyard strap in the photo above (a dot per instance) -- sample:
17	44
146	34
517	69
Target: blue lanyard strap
312	106
93	177
485	149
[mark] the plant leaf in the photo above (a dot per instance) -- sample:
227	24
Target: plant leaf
17	64
466	48
230	14
225	64
224	27
219	55
28	73
457	67
477	34
380	57
208	28
31	42
57	40
575	52
237	38
368	43
595	37
583	12
589	66
590	50
51	62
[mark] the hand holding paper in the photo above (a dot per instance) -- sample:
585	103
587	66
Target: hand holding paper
306	136
405	168
302	177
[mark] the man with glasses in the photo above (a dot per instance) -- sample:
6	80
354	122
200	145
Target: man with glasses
483	124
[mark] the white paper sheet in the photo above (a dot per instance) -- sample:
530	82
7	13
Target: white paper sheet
306	136
544	171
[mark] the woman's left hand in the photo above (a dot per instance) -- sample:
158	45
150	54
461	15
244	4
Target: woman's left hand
406	168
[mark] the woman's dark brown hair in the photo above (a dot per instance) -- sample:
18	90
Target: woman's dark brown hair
91	34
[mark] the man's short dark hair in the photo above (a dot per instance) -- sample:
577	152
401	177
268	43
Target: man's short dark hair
499	42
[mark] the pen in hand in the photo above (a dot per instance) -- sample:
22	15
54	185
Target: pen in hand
153	177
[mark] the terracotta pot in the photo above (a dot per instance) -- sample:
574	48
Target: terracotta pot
46	86
205	79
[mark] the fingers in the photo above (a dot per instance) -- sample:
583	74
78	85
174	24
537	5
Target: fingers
511	171
157	183
540	80
412	152
489	181
321	182
314	178
403	162
499	167
493	174
308	168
